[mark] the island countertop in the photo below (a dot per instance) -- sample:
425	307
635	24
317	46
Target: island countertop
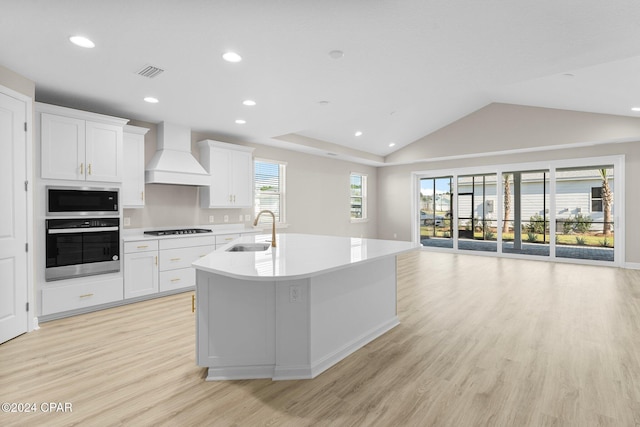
297	256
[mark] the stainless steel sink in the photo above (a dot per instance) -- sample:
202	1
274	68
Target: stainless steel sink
249	247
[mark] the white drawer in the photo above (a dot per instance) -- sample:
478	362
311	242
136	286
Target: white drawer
177	279
185	242
140	246
223	239
70	297
171	259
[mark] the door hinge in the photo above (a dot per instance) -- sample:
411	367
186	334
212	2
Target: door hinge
25	126
26	186
27	306
26	247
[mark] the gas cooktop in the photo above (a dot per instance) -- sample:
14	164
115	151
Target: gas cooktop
179	231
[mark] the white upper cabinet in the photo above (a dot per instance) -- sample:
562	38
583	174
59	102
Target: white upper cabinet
63	147
231	170
80	146
133	171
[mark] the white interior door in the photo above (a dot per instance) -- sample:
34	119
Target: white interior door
13	213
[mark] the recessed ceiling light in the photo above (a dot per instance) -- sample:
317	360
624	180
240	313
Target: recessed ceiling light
336	54
249	102
240	121
635	109
232	57
82	42
393	144
323	102
151	100
358	133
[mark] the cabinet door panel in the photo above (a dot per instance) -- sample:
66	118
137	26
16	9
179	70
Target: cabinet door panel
219	191
242	179
133	171
140	274
63	147
104	152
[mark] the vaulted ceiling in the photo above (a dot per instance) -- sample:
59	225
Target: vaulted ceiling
405	68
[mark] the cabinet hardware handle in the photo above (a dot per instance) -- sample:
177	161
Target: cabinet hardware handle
193	303
156	260
175	280
143	246
203	255
86	295
175	259
81	168
89	168
142	195
234	198
228	238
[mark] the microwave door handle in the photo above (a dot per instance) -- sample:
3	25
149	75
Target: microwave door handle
82	230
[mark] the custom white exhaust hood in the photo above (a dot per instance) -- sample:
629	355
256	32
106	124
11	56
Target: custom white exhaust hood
173	162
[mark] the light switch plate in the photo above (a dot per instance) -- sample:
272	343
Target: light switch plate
127	221
226	218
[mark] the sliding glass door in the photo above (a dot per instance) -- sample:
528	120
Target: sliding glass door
435	212
525	226
557	210
585	208
477	220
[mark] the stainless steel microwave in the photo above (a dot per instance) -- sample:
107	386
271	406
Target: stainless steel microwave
74	201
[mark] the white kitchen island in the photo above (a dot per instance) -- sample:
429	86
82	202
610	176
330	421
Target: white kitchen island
294	310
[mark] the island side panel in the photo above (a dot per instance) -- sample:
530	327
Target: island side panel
236	327
349	308
292	330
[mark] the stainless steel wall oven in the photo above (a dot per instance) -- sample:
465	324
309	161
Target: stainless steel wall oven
81	247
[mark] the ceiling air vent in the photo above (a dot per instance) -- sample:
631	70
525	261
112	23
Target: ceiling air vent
150	71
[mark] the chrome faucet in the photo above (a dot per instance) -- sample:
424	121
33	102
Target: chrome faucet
273	229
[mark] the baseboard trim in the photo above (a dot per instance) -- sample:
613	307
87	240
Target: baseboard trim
239	373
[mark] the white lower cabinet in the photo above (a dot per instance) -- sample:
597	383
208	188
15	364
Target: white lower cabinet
177	279
140	268
176	256
152	266
84	293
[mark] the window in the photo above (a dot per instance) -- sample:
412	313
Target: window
596	199
269	181
358	196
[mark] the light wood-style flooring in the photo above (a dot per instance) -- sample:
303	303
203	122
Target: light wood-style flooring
483	342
